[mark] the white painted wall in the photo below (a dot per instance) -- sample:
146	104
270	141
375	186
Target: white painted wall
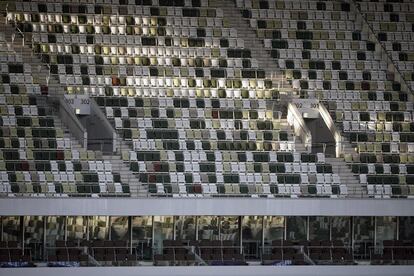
216	270
206	206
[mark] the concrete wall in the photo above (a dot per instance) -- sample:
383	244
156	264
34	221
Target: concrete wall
101	134
216	270
321	135
206	206
71	121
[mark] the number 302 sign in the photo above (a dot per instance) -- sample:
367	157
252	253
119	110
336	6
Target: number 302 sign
310	107
80	103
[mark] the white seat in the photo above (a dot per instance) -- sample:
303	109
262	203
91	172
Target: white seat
336	179
304	179
320	179
363	178
344	189
370	189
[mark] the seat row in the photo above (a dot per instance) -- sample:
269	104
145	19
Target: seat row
301	39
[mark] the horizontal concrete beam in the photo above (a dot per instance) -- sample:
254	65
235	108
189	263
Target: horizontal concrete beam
216	270
206	206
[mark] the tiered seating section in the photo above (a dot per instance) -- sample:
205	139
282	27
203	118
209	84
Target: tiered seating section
181	48
327	55
217	146
394	252
176	81
108	253
12	252
211	252
393	23
36	158
320	252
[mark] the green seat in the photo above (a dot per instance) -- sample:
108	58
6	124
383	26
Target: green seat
312	189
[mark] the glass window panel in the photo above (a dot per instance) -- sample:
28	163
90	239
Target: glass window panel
252	228
33	235
208	228
406	228
363	228
33	229
386	229
319	228
119	228
142	236
252	236
296	228
55	229
363	236
11	228
76	228
185	227
163	230
274	228
341	229
141	228
229	228
98	228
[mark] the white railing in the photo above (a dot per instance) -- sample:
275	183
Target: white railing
295	119
331	126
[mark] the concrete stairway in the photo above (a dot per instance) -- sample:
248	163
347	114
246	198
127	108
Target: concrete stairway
245	32
299	145
340	167
127	176
75	144
40	73
39	70
234	15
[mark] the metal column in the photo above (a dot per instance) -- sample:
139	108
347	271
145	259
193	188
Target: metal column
130	233
44	237
240	235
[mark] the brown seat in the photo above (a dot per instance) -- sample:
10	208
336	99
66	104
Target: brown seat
120	243
180	257
325	255
62	258
108	244
230	250
12	244
25	258
337	243
277	256
168	243
121	251
190	257
277	243
98	243
4	258
52	258
71	244
74	258
85	243
168	251
326	243
99	257
109	257
227	243
83	258
60	243
121	257
131	257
